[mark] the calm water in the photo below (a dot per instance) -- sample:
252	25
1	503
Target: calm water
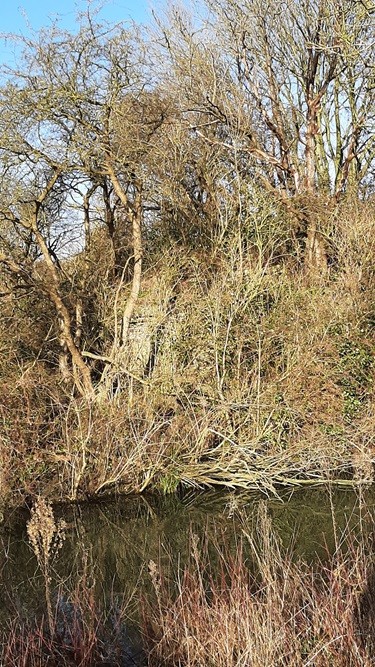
113	541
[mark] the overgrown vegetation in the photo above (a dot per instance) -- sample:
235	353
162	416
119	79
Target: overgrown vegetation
74	624
283	613
252	602
187	248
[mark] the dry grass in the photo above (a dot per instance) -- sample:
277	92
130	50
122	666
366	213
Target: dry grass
260	374
75	626
81	635
287	614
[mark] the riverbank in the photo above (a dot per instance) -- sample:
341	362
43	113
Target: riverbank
241	376
187	264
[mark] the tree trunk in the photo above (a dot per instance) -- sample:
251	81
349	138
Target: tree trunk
81	372
315	257
136	216
135	210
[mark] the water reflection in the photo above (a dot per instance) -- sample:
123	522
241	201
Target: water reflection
112	542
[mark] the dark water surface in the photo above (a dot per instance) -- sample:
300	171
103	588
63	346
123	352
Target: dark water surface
113	542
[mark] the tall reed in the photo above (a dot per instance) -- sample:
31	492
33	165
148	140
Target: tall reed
263	609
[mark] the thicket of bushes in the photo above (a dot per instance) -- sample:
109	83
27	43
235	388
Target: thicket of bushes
250	376
188	254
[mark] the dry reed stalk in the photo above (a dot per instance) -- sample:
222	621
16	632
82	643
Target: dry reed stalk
81	633
282	614
46	537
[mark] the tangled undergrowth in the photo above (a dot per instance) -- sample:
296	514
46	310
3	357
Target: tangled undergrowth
241	374
263	608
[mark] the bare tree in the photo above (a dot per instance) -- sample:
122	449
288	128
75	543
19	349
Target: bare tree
77	121
288	87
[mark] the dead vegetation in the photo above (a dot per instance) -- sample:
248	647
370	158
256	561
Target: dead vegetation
243	377
202	312
263	609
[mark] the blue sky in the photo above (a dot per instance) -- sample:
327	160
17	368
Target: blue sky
19	16
15	16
